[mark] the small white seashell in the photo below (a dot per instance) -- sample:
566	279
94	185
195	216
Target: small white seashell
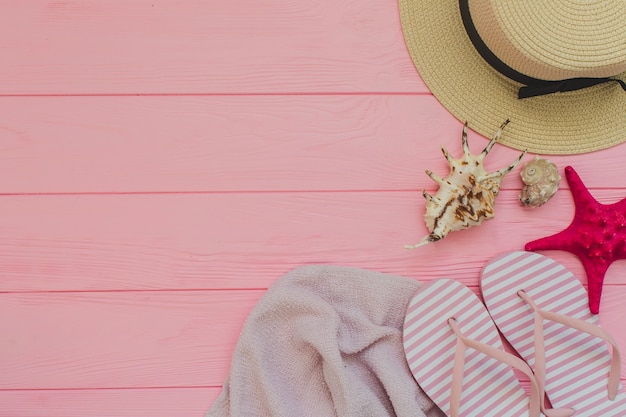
466	197
541	181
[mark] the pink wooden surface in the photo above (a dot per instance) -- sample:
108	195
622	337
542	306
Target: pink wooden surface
163	162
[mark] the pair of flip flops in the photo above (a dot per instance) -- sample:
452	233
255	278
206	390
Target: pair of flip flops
455	353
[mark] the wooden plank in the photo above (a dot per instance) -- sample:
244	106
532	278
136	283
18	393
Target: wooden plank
120	340
277	232
167	144
159	402
143	402
269	143
213	241
199	47
143	339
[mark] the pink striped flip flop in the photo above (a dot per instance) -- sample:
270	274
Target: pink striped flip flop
542	310
455	354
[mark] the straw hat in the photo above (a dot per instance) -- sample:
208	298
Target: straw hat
573	43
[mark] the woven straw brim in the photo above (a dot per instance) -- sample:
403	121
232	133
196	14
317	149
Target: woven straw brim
558	124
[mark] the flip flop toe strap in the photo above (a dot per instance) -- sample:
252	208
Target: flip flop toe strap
580	325
499	355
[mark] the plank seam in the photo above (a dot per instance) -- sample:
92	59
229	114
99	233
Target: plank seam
206	94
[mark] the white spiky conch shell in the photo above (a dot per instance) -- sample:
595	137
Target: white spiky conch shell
466	197
541	181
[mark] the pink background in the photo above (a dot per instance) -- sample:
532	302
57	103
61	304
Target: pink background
162	162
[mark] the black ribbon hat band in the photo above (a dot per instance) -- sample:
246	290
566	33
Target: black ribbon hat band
532	87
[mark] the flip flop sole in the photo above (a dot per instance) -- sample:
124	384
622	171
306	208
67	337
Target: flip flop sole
577	364
490	388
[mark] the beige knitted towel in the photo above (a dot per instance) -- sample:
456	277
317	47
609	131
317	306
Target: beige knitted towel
325	341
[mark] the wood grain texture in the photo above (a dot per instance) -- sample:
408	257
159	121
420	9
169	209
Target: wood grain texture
120	340
228	241
138	340
198	47
152	402
242	143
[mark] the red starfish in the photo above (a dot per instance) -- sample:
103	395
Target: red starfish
597	235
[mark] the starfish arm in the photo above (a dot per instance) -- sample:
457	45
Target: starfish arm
580	193
557	241
596	270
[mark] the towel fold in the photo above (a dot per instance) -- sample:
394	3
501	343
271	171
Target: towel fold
325	341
